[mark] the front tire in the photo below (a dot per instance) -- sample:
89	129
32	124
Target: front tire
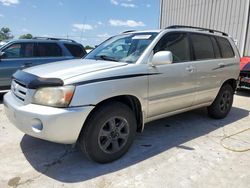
223	103
108	133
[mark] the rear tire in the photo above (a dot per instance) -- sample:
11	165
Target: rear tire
108	133
223	103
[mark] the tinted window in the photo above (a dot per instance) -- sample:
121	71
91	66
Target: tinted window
13	51
75	50
19	50
203	47
48	50
216	48
225	47
176	43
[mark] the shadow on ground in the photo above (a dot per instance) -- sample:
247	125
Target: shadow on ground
1	98
65	164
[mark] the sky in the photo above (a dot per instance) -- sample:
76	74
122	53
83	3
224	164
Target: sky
86	21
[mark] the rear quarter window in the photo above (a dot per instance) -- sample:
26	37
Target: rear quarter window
225	47
75	50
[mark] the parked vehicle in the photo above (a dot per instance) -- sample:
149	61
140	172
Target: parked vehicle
244	80
89	50
20	54
101	101
3	43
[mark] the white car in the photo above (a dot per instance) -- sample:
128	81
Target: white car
3	43
89	50
101	101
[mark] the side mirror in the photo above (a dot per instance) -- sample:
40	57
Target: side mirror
2	54
162	58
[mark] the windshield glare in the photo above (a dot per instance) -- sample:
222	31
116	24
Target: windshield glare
123	48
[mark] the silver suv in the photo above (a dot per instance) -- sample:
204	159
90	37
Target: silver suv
101	101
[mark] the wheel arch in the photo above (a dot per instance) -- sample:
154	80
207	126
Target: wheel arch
232	82
131	101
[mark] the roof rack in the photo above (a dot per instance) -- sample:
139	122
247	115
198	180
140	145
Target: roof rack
128	31
199	28
51	38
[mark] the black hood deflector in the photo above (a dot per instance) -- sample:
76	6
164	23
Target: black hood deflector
34	82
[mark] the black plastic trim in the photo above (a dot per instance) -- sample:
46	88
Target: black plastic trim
199	28
34	82
3	88
114	78
221	67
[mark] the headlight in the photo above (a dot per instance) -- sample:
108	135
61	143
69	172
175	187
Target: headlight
54	96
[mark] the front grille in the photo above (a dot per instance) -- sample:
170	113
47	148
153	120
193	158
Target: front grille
19	90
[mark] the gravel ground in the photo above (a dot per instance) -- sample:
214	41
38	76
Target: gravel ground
181	151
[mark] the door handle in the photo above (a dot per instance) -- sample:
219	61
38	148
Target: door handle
221	65
190	69
25	65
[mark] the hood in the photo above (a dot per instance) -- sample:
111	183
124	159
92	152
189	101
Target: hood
71	68
245	64
246	67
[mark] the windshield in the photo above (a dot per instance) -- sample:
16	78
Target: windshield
123	48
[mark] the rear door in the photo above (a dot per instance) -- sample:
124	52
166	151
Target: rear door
17	56
210	66
173	88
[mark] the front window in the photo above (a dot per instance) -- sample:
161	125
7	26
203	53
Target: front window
123	48
178	44
13	51
18	50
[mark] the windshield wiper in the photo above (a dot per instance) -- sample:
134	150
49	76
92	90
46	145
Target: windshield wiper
104	57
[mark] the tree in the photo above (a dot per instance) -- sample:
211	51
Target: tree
5	34
26	36
88	47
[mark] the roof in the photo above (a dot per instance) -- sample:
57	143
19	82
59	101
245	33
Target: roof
44	39
184	28
144	31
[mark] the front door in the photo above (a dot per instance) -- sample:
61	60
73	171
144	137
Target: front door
174	87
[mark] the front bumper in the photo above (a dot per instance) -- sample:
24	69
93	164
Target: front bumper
61	125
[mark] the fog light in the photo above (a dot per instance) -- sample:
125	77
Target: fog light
37	125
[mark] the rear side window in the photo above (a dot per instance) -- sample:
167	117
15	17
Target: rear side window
203	47
48	50
225	47
75	50
178	44
216	48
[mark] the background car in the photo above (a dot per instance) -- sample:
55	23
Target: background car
244	80
3	43
20	54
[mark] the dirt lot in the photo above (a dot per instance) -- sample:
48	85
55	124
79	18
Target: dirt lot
181	151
